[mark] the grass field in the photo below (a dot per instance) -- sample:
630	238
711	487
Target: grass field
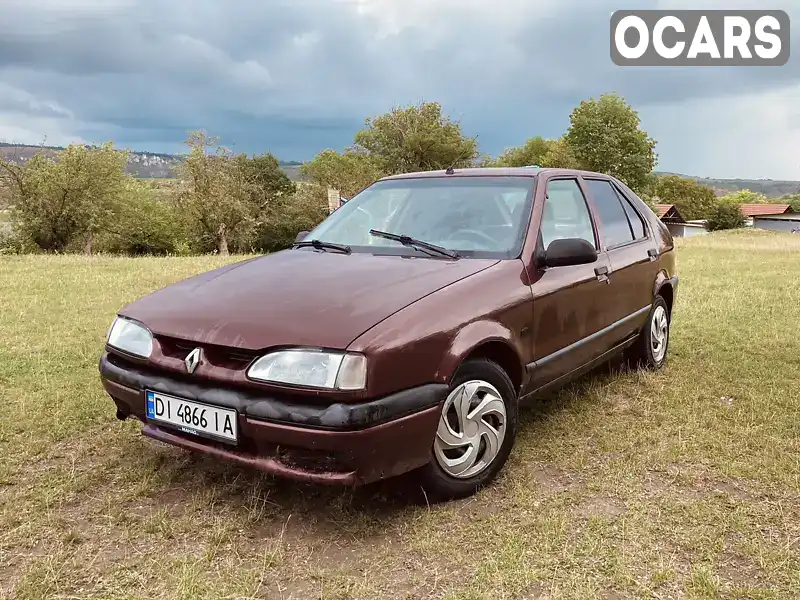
682	483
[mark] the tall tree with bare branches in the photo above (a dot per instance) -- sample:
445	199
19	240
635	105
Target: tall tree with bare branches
228	196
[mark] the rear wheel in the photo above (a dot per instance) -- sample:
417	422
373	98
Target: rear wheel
650	349
476	432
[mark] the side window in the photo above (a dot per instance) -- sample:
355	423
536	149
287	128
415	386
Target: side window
616	228
635	219
565	213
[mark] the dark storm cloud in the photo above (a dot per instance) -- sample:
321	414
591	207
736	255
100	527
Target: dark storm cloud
298	76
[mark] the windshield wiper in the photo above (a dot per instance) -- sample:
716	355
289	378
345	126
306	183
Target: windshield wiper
320	245
414	243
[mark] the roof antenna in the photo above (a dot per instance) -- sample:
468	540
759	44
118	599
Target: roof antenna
450	170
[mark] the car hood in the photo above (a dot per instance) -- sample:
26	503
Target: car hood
295	297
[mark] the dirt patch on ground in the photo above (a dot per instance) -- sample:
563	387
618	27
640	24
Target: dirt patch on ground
739	570
732	489
550	480
538	591
681	484
602	507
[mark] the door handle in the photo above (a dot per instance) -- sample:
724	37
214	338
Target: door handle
652	253
602	274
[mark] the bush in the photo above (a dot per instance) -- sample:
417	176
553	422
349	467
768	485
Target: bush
11	240
145	224
725	216
9	244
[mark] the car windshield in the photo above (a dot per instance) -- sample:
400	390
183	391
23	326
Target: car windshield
474	216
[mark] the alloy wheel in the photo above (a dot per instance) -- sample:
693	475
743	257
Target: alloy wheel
471	429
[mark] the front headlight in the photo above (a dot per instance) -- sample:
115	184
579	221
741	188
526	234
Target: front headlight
130	337
312	368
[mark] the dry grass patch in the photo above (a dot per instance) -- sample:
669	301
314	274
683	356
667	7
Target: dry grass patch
682	483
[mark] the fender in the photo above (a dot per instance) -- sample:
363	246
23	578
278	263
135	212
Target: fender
471	336
661	279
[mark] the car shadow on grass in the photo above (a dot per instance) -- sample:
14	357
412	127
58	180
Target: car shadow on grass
268	502
266	506
583	387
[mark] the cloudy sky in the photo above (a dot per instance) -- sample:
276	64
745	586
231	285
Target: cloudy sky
297	76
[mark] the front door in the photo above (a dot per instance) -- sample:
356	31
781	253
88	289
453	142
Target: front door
569	303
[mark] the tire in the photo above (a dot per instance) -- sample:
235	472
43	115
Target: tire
647	353
449	475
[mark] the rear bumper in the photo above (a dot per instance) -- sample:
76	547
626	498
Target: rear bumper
347	444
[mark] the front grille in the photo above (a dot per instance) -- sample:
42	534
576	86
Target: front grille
220	356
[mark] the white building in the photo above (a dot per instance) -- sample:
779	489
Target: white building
786	222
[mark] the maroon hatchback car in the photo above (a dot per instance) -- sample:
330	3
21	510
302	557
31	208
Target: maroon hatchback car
405	331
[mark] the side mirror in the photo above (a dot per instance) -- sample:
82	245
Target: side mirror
569	251
301	236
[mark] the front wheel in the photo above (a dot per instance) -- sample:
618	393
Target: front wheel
477	428
650	350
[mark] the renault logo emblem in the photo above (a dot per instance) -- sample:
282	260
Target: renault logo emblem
194	358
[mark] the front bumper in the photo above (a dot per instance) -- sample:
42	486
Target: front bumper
340	443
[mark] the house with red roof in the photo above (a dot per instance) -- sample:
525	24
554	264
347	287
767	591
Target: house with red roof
773	217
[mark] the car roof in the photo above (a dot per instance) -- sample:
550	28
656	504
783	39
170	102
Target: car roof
531	171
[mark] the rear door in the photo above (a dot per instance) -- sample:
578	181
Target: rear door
568	302
631	253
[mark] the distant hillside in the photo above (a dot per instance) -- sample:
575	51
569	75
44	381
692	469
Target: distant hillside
145	165
771	188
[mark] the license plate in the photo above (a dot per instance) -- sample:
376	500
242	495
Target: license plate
192	417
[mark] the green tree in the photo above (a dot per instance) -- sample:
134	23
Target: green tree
647	191
537	151
416	138
605	136
648	187
744	197
270	191
302	212
793	200
725	216
693	200
349	172
532	152
267	181
227	197
560	155
204	194
58	203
